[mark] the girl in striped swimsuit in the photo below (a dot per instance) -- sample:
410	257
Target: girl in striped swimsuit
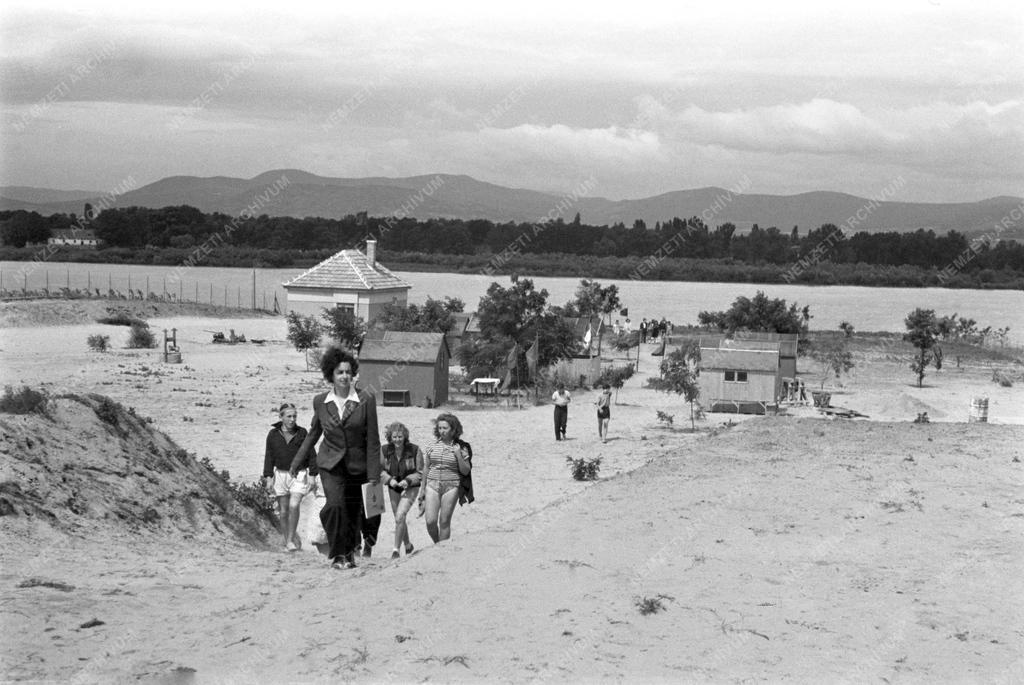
444	464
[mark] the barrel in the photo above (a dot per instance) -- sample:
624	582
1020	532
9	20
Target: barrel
979	410
172	357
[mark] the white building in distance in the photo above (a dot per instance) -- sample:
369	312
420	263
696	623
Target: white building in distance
350	280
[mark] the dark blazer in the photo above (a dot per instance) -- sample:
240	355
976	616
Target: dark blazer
355	444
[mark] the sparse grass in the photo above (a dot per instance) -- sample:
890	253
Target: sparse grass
651	605
251	495
584	469
42	582
23	401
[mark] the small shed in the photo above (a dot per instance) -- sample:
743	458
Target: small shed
405	369
739	375
349	279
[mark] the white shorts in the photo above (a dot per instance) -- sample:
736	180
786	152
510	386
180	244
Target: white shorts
285	485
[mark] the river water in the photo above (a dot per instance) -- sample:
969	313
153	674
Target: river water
868	309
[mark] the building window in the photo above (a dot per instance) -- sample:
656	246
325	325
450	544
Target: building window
735	376
350	308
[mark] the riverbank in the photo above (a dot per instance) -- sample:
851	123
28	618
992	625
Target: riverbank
655	267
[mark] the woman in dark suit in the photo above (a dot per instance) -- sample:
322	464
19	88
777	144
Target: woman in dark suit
349	456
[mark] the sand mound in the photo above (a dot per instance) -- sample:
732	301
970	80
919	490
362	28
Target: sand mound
23	313
906	408
90	468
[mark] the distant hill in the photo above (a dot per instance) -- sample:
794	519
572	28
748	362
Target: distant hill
456	196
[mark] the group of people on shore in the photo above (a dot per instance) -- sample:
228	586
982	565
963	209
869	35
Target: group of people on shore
654	330
351	457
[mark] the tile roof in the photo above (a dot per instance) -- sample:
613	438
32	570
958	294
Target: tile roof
421	351
348	270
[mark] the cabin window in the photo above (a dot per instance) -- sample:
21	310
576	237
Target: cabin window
350	308
735	376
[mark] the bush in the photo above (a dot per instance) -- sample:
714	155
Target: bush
24	401
121	319
141	337
253	495
107	411
584	469
666	418
98	343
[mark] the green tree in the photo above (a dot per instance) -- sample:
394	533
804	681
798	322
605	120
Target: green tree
834	356
304	333
923	333
343	326
432	316
593	299
679	375
759	313
517	315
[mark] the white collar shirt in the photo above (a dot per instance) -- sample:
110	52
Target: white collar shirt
353	396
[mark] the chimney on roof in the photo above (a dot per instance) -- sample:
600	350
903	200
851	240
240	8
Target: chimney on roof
371	252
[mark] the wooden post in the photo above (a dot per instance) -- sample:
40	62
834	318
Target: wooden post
88	280
47	280
197	292
69	278
181	286
254	288
147	287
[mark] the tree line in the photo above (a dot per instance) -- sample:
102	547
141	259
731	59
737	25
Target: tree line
668	250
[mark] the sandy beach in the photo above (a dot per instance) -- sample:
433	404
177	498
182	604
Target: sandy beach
782	548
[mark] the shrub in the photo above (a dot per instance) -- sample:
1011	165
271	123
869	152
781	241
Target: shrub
98	343
584	469
1002	378
23	401
106	411
650	605
666	418
253	495
141	337
121	319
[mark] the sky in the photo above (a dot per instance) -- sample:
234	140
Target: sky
644	98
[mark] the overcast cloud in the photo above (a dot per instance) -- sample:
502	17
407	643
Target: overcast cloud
643	98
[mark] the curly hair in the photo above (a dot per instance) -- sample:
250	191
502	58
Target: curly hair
396	427
333	357
452	421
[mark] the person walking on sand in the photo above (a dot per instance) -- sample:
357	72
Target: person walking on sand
346	418
401	469
447	465
283	442
604	411
561	398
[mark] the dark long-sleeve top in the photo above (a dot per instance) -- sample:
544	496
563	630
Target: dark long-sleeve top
354	444
406	466
280	452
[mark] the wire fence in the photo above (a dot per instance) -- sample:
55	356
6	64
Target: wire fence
42	283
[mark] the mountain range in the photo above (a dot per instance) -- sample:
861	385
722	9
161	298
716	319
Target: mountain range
300	194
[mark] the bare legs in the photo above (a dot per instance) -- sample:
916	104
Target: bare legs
288	514
439	510
602	429
400	506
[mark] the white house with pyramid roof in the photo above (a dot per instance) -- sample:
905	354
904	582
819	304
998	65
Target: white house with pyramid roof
349	279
